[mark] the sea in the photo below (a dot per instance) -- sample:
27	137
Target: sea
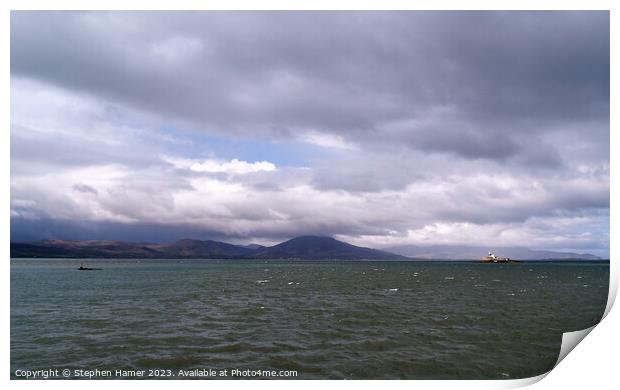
290	319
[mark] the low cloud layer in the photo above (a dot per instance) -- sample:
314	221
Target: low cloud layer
381	128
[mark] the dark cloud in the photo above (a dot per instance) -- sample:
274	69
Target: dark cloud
348	72
467	144
24	230
85	188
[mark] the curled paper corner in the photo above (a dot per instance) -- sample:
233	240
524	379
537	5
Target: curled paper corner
570	341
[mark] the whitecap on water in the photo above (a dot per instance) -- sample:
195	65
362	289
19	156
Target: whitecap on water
392	289
289	283
262	281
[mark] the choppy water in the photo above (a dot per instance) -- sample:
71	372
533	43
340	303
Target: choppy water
328	320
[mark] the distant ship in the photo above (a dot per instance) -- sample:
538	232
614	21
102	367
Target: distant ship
493	258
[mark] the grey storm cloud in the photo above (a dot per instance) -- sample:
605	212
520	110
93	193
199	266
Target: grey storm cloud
431	120
350	72
85	188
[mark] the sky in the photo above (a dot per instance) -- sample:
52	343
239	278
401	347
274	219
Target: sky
377	128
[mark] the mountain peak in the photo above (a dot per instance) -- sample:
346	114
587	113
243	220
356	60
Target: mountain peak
312	239
321	247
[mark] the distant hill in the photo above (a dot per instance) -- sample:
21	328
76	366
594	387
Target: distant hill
317	247
89	248
209	248
465	252
304	248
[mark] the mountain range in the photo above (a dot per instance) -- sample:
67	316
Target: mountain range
466	252
303	248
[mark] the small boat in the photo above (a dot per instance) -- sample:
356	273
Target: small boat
82	268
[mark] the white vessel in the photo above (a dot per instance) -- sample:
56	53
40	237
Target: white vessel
493	258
